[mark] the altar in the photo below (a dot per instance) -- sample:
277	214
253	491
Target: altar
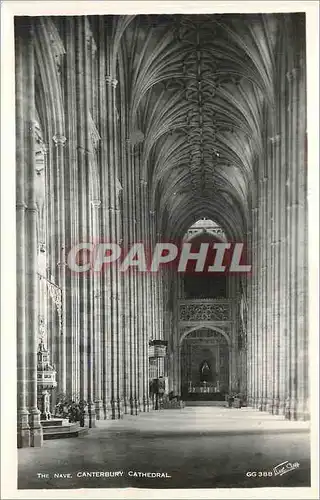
204	391
204	388
204	366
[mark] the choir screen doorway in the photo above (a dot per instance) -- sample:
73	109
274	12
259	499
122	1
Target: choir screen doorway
204	366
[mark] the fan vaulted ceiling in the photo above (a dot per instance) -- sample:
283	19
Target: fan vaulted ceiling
197	86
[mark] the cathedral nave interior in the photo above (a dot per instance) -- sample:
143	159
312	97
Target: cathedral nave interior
151	128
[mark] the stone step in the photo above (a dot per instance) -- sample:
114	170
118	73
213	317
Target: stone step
53	422
64	431
57	428
206	403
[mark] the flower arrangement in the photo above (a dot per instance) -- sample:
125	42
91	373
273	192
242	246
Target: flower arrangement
71	408
172	401
235	400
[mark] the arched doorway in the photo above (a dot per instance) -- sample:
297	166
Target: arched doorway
204	364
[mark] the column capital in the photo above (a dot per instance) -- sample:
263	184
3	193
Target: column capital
263	180
111	81
32	207
129	219
59	140
293	205
21	206
293	74
114	210
95	203
275	139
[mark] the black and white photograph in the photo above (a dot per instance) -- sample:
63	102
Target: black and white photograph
164	285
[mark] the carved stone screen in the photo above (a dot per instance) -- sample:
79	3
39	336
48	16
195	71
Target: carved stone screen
204	311
209	348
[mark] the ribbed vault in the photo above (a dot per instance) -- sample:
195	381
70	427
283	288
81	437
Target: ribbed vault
197	89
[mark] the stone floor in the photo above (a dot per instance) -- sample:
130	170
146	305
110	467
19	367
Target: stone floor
198	447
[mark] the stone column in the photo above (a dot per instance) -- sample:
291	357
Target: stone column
160	311
126	315
249	391
31	215
119	239
118	318
175	358
271	279
290	410
233	354
150	292
134	403
260	275
255	292
269	296
58	162
166	311
295	406
263	292
96	317
138	283
105	226
89	146
73	113
109	273
54	323
83	162
23	429
303	410
113	235
126	279
132	295
276	293
107	393
145	279
283	261
132	287
249	385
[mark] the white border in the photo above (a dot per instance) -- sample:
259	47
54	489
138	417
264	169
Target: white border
8	270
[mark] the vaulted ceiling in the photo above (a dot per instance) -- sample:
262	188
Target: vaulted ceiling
197	86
